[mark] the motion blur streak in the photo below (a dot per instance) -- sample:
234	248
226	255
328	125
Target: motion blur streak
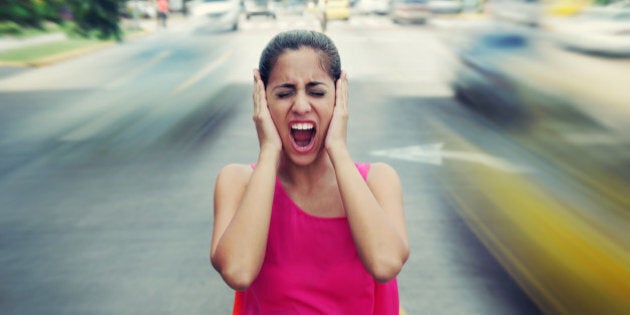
569	260
507	122
562	230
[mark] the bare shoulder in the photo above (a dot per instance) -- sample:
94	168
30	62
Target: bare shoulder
234	175
382	173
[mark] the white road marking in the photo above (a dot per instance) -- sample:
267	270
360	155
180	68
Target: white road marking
434	154
202	73
136	71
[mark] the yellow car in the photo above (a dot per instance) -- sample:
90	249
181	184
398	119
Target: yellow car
336	9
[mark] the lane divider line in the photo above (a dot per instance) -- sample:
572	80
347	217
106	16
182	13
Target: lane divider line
202	73
136	71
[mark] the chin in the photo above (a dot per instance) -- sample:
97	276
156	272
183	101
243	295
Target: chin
301	159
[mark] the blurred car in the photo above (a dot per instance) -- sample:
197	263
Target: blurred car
484	79
294	7
259	7
600	30
222	12
446	6
176	5
410	11
564	7
523	12
336	9
380	7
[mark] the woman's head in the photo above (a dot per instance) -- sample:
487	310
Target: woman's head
294	40
299	70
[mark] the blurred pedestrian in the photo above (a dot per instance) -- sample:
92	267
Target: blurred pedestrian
306	230
163	11
323	16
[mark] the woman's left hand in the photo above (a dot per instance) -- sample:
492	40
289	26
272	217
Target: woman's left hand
337	130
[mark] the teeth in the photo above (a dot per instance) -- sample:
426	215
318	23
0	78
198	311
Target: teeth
303	126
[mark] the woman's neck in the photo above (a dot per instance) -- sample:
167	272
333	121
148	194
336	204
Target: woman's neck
305	176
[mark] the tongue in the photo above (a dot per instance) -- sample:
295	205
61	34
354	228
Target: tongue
302	137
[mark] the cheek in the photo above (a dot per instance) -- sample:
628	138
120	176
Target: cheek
325	113
278	115
330	106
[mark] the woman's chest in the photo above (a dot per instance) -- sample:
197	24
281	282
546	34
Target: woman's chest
326	203
315	257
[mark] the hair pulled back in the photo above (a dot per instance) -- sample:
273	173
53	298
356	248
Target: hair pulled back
294	40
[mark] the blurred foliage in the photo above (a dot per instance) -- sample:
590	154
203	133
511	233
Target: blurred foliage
96	18
85	18
31	13
10	27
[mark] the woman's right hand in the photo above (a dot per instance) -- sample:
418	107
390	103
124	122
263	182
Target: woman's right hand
268	136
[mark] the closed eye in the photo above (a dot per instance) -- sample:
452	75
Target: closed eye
285	94
317	93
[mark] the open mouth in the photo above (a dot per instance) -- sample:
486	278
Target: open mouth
303	135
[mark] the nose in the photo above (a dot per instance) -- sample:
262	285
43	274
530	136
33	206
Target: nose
301	105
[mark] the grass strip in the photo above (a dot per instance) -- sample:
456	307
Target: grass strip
50	52
37	52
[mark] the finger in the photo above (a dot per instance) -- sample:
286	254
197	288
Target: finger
259	95
342	91
255	94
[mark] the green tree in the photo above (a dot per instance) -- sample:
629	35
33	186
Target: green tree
96	18
88	18
31	13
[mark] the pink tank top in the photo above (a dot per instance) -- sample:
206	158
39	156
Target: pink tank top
311	266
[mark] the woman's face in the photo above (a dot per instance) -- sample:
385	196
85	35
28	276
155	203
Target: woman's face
301	99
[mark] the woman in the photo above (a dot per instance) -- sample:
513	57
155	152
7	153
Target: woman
306	230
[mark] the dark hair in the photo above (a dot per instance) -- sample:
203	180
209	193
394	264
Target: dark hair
294	40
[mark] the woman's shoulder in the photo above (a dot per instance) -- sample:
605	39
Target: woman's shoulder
380	171
235	174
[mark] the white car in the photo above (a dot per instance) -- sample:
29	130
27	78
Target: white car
410	11
600	30
446	6
223	12
380	7
213	8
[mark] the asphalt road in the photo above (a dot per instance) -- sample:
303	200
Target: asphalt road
107	165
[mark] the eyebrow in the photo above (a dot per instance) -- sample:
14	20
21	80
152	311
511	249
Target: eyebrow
292	86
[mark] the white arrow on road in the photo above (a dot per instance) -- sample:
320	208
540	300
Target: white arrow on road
434	154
